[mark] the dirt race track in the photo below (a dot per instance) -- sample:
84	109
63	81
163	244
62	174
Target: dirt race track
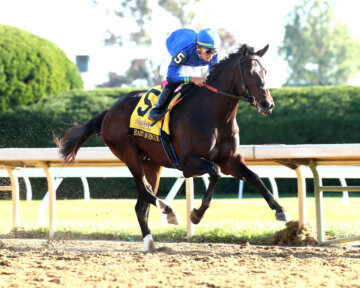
40	263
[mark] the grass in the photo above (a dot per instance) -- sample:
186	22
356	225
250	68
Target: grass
226	221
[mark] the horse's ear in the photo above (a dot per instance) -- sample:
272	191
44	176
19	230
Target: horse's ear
261	52
244	50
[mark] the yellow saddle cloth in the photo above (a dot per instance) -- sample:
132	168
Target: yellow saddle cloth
140	125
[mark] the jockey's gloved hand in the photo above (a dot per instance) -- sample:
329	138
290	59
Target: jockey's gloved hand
199	81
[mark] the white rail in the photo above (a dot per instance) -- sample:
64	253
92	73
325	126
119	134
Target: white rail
270	172
297	157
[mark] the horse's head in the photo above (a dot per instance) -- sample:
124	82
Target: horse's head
253	74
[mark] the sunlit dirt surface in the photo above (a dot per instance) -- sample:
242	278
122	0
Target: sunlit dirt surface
41	263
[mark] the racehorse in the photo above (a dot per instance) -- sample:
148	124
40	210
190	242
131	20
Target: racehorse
205	136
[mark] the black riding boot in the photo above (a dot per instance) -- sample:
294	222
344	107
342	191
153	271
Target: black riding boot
164	98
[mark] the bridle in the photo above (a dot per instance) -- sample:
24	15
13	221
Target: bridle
248	97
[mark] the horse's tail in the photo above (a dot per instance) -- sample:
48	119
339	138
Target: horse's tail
78	135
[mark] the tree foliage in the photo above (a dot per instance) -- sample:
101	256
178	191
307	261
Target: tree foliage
141	13
142	72
32	67
147	71
319	49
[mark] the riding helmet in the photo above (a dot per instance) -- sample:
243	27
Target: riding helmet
207	38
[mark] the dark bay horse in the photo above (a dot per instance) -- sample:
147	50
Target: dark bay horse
205	136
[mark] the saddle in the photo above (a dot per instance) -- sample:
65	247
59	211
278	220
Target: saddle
158	130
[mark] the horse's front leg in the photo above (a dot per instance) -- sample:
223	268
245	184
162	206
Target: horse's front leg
236	167
196	166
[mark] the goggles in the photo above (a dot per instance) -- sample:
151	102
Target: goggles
209	50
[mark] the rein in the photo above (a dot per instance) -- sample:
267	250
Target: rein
215	90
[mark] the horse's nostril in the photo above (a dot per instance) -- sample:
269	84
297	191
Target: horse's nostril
267	105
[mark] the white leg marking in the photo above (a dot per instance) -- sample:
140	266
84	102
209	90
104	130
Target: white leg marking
287	216
149	243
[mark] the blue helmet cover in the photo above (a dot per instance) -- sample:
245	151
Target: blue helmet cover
206	38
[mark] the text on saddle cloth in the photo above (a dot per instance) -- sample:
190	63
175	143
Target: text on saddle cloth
140	125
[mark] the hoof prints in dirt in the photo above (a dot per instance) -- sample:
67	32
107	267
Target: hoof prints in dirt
124	264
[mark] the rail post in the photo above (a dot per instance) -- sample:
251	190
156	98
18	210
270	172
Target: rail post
318	190
15	195
301	196
52	197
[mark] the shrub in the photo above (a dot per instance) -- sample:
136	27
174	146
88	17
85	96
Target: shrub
33	126
32	67
304	115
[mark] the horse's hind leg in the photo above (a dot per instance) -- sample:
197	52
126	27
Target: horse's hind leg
142	208
141	170
142	212
237	168
129	155
146	197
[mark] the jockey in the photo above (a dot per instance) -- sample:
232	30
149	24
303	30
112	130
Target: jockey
189	51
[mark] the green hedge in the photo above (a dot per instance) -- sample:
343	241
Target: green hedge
301	116
32	67
35	125
309	115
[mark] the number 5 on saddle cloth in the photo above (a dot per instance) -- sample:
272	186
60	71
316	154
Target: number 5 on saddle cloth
159	130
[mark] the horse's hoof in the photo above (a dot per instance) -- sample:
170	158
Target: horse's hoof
282	216
149	243
172	218
194	218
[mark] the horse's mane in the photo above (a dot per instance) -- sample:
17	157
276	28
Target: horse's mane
219	66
